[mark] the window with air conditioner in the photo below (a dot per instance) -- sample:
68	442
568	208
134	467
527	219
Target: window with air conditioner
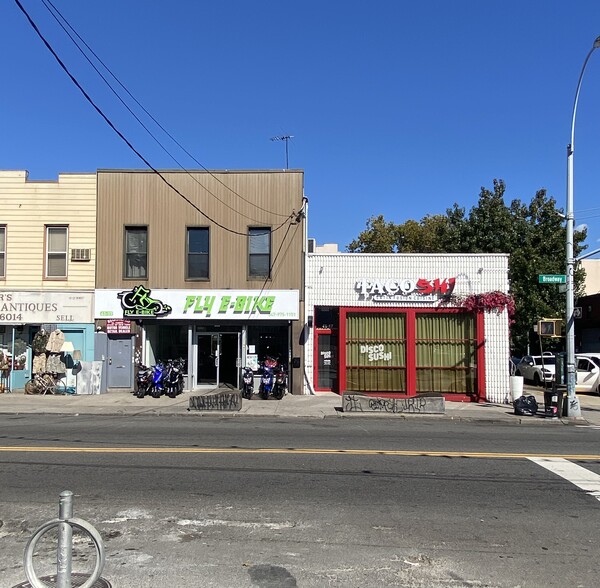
57	239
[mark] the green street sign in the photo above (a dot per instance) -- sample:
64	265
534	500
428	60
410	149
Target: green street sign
552	279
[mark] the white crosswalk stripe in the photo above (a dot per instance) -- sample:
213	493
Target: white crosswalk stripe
577	475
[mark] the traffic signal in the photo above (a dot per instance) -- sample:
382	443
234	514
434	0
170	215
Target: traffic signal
550	327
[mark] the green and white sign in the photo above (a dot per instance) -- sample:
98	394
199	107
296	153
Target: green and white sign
552	279
141	302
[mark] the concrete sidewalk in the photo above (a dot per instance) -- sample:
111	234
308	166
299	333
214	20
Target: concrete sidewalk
321	405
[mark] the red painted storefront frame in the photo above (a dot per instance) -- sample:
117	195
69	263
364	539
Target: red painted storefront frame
411	369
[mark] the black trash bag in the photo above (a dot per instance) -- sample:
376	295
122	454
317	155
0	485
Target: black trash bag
525	406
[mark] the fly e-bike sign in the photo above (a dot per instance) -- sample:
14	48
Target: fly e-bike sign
144	303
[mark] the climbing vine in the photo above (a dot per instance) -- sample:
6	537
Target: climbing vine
487	302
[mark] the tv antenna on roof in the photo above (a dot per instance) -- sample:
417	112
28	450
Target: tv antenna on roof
285	138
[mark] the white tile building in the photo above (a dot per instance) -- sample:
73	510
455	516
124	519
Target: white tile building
430	344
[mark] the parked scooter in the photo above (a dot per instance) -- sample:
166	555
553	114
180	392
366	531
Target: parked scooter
280	386
267	380
143	381
247	383
173	377
157	388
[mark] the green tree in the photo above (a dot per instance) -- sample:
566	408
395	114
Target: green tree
532	234
379	237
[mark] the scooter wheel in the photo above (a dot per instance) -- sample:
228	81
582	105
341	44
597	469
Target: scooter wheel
141	392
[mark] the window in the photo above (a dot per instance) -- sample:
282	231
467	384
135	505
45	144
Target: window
2	252
136	252
376	352
259	248
446	353
197	253
56	252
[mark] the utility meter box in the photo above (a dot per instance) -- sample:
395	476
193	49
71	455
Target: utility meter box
560	369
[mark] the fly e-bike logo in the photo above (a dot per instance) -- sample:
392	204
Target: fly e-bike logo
136	303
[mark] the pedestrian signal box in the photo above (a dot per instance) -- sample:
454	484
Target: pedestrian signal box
550	327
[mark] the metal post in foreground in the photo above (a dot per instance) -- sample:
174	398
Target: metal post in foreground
65	524
65	540
573	408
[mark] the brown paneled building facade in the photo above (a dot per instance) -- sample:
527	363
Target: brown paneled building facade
206	266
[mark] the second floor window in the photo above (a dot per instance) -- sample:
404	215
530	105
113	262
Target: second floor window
259	252
136	252
2	252
56	252
197	253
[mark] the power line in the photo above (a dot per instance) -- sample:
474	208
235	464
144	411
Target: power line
54	10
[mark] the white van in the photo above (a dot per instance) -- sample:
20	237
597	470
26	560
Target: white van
588	372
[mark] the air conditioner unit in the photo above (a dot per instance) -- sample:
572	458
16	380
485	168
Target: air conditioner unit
81	254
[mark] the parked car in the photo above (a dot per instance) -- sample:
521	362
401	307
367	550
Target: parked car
537	369
588	372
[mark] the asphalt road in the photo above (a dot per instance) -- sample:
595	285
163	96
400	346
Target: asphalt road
308	503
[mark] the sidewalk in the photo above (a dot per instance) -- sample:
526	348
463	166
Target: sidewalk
321	405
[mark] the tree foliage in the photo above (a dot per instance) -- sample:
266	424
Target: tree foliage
533	234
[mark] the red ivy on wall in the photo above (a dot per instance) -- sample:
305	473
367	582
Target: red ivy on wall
487	302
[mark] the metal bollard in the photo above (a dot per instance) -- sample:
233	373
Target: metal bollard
65	540
65	523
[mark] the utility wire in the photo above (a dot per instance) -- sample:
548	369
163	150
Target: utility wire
58	19
127	142
299	216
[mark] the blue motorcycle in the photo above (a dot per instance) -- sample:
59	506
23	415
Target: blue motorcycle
157	388
267	380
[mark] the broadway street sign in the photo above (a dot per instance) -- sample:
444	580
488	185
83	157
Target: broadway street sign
552	279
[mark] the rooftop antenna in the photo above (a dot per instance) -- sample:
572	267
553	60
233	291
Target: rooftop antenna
285	138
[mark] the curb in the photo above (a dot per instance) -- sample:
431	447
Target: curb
188	413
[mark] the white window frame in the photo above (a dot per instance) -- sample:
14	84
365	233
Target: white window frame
63	253
3	251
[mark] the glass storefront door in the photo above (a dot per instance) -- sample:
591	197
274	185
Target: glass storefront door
217	359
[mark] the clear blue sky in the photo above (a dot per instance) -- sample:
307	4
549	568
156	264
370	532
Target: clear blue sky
396	108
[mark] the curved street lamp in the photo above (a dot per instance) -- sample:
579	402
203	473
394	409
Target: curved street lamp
573	404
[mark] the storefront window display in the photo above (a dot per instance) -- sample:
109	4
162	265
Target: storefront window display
268	341
166	342
376	352
446	353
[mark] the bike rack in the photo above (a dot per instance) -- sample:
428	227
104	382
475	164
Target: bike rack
65	523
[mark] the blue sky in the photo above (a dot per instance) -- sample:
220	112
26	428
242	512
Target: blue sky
396	108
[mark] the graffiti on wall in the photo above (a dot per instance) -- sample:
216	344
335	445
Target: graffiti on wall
220	401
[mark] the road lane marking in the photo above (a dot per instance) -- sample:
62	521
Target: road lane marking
577	475
299	450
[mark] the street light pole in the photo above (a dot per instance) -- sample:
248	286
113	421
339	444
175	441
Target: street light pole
573	410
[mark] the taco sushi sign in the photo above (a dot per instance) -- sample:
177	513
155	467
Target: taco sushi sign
392	290
141	302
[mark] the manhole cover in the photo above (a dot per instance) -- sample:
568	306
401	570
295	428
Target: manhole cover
76	580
